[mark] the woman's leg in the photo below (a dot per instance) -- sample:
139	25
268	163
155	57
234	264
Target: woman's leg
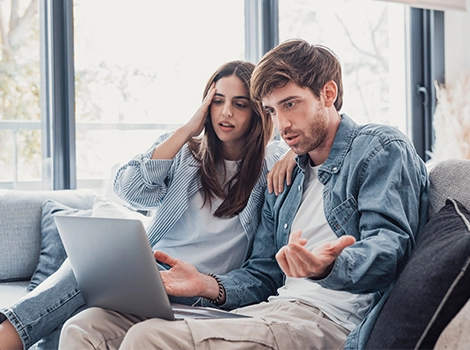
43	311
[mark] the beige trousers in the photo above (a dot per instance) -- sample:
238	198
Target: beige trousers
280	325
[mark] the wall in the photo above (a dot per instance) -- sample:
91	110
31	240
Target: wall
457	48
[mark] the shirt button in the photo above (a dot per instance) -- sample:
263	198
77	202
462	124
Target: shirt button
335	168
285	225
300	188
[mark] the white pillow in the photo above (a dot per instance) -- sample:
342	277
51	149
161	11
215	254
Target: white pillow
105	208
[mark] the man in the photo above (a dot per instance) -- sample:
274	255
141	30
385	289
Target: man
341	232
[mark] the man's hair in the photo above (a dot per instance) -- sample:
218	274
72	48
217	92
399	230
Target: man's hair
297	61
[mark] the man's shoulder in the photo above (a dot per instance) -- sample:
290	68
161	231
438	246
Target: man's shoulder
381	133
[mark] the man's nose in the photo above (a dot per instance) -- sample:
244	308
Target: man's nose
283	122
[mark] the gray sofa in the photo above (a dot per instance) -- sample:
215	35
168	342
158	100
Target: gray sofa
20	235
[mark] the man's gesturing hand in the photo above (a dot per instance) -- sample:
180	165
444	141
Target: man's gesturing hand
296	261
184	280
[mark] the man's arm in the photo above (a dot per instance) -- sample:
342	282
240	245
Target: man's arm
392	203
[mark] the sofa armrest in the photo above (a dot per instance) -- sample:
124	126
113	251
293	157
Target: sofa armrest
449	178
20	227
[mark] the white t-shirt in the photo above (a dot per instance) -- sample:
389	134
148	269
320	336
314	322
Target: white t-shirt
210	243
345	308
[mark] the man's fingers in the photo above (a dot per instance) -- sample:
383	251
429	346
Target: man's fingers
294	237
340	244
164	258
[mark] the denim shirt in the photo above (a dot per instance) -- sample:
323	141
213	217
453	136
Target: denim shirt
375	189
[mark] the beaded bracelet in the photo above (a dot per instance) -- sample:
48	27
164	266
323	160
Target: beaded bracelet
217	300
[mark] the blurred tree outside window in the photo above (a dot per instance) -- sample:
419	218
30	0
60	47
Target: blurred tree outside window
140	69
20	134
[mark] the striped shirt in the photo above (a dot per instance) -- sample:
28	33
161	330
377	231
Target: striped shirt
166	186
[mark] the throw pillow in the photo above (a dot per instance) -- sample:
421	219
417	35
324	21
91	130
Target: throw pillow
433	286
52	253
103	207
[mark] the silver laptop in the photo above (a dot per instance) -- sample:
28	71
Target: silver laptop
115	268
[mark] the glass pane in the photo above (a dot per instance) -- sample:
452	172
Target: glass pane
140	69
369	38
20	134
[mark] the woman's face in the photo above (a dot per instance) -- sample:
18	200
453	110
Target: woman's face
231	115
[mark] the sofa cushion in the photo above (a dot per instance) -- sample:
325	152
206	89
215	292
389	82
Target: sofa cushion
20	227
433	286
52	253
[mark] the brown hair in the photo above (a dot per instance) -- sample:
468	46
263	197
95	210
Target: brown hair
208	151
297	61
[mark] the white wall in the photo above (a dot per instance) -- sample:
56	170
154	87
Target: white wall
457	43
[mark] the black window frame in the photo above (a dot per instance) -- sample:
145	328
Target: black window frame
261	34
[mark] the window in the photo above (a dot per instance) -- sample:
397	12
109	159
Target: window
369	38
140	69
20	120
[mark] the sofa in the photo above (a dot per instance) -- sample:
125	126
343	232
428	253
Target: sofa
26	255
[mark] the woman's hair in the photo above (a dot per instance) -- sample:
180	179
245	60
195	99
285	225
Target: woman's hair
300	62
208	151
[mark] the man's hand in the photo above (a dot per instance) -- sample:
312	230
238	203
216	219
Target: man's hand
184	280
296	261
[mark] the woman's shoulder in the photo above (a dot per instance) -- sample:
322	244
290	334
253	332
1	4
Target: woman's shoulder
274	151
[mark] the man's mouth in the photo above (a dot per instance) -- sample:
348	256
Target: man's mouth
290	139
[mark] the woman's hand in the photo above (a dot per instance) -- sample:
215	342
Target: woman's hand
184	280
281	171
171	146
196	124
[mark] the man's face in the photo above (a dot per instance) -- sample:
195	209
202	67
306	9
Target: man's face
301	118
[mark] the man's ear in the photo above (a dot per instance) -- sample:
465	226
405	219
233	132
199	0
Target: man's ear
330	91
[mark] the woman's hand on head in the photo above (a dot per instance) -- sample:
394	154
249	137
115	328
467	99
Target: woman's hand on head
196	124
281	171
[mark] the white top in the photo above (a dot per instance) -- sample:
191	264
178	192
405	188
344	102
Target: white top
223	240
344	308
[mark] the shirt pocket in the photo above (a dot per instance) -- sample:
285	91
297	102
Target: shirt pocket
345	212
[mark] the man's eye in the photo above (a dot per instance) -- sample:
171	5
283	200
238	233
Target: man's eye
290	104
269	111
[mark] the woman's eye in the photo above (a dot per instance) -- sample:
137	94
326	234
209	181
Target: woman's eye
217	102
240	105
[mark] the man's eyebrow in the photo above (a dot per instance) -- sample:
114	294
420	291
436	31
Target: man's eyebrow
289	98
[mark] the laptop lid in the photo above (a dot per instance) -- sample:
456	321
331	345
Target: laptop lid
115	268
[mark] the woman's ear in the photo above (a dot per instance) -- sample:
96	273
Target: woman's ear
330	91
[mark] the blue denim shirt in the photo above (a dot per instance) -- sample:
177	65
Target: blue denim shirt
375	189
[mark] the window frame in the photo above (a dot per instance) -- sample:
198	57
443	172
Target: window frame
261	34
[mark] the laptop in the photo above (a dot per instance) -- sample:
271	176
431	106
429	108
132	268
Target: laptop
115	268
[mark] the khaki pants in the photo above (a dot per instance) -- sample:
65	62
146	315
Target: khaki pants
280	325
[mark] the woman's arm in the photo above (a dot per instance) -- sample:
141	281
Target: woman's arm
170	147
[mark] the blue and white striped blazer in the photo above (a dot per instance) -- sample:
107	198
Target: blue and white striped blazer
166	185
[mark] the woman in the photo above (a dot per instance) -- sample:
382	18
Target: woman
207	191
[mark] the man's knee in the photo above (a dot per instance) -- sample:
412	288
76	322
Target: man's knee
158	334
